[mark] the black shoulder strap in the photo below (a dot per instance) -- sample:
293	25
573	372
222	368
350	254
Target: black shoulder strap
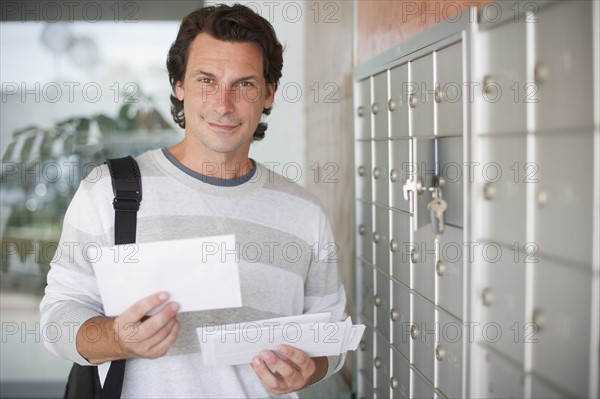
127	188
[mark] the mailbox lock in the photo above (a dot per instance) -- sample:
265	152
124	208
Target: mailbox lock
391	104
394	314
440	268
393	175
361	111
393	245
375	108
376	172
393	383
362	229
542	198
487	296
488	191
377	362
440	352
538	318
377	300
540	73
412	100
488	84
438	94
363	345
376	237
361	170
414	331
414	255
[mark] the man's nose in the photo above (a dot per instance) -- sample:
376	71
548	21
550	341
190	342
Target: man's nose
222	98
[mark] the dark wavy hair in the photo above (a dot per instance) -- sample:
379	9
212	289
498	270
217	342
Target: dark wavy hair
236	23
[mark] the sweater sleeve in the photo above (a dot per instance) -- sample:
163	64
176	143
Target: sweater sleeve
71	296
324	291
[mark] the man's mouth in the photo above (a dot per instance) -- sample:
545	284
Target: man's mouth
224	127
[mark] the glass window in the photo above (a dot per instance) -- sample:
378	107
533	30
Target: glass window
73	94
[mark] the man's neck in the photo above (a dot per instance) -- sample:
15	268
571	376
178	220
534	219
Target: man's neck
221	166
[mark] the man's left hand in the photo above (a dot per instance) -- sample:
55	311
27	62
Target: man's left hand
292	374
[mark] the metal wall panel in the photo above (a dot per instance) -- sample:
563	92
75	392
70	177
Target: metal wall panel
366	355
542	390
500	378
363	109
401	171
382	304
448	355
423	258
501	72
381	172
398	103
400	380
563	67
381	239
501	295
543	207
500	192
383	367
400	246
368	392
423	334
368	292
449	270
421	97
420	387
363	170
379	105
558	331
533	197
449	95
401	319
364	227
563	194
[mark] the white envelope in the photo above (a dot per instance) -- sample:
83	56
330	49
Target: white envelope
198	273
315	334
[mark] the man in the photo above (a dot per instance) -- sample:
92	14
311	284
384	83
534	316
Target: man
224	69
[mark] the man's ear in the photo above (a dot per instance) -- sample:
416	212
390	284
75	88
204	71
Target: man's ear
179	91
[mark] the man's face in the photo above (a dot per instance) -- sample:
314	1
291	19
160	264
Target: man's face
224	93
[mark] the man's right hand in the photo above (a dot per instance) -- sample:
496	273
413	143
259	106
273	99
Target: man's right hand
132	334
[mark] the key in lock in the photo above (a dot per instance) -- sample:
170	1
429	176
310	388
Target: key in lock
437	207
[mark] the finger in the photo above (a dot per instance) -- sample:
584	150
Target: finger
160	334
141	308
269	380
297	357
162	347
155	323
287	371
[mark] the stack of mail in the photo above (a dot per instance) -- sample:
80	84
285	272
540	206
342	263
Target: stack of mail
239	343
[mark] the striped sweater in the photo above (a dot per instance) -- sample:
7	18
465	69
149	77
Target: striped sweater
288	266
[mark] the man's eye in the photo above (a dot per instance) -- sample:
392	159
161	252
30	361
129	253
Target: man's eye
246	84
205	80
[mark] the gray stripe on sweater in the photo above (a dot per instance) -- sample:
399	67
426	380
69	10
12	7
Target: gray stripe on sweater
256	243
